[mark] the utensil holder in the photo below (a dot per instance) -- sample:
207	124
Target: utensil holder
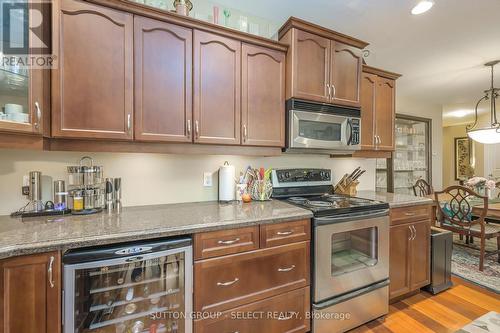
350	190
261	190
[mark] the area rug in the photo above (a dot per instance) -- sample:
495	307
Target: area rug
465	264
490	323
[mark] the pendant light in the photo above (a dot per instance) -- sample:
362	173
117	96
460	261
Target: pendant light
490	134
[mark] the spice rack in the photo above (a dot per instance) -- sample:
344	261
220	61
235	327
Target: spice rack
86	187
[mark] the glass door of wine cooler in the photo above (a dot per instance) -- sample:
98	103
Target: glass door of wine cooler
137	294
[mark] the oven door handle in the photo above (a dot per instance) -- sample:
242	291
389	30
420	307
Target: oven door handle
318	221
351	295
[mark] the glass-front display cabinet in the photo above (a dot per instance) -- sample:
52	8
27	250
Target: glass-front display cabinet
22	65
412	158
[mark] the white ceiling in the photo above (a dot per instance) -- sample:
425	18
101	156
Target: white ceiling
440	53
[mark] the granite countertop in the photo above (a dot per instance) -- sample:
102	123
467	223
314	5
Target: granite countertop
37	235
395	200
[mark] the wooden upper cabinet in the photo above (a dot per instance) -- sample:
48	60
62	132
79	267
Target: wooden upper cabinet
311	66
386	113
163	83
263	96
368	93
92	89
345	71
30	294
217	79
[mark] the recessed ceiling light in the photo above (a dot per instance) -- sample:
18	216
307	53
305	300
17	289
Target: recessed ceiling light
422	7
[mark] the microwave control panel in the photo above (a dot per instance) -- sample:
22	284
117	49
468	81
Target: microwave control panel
355	123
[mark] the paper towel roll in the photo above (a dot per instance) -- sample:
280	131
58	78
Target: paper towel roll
227	185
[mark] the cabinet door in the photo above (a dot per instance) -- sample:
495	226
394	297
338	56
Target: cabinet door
311	66
163	86
22	96
30	294
217	78
420	255
399	256
368	97
92	88
263	96
345	71
385	113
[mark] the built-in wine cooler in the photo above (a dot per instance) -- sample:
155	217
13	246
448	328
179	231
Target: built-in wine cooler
129	288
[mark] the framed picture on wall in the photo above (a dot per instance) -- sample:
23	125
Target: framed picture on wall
463	158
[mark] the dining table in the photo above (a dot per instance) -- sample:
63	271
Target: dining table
493	213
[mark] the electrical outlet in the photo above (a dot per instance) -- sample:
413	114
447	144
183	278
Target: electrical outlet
207	179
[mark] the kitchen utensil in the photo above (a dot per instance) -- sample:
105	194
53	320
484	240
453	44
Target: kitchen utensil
226	182
60	195
109	189
85	175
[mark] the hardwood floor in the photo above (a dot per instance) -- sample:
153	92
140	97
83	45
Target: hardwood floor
445	312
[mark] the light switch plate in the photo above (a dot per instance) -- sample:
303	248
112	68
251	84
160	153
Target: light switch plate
207	179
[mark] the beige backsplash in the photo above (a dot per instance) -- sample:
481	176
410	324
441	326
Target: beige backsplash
153	178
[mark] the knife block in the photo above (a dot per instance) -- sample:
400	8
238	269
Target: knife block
350	190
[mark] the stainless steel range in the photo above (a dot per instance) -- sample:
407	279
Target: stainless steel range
350	247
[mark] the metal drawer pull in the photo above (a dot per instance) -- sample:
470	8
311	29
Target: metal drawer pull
410	214
229	242
189	128
291	268
414	232
50	271
284	233
225	284
411	233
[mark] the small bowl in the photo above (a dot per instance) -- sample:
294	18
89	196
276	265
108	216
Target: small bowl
18	117
13	108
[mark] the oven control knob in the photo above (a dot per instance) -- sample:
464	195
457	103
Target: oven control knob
287	174
327	175
322	174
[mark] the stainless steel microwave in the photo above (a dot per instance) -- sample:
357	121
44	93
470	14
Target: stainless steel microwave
316	127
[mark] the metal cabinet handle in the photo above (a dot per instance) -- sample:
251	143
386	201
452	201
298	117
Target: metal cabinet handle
284	233
196	128
50	271
245	133
334	91
129	122
379	140
329	90
189	128
414	232
410	214
229	242
411	233
291	268
225	284
38	115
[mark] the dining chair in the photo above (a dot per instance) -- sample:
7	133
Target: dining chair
422	188
456	215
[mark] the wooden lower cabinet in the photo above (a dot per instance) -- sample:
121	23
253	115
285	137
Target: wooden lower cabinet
409	257
280	314
263	290
230	281
30	294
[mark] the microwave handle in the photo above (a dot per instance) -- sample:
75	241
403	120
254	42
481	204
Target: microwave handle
349	131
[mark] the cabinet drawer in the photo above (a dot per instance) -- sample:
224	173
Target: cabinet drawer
284	233
280	307
410	214
231	281
224	242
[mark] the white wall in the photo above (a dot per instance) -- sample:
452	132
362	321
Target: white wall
434	112
153	178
